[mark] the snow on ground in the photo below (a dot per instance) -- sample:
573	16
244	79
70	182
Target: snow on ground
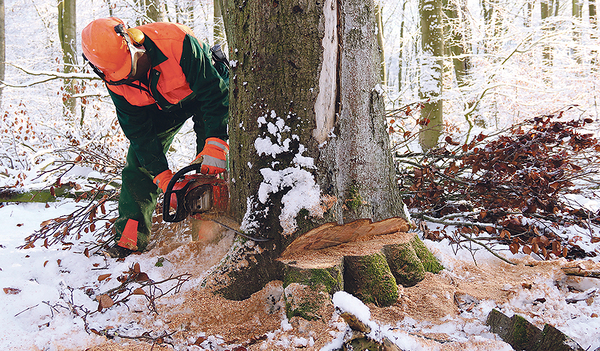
40	285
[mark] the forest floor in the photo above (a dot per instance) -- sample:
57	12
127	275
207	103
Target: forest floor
50	299
445	311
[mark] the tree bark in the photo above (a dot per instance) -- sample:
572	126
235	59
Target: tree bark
308	141
593	36
547	11
455	31
430	90
380	43
67	30
2	47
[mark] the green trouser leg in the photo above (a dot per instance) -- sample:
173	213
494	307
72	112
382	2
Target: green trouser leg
138	196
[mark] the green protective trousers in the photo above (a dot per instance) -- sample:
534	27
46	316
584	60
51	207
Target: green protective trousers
139	194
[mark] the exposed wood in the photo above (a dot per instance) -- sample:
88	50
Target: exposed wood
331	234
363	258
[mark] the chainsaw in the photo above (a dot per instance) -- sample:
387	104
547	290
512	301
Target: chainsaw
192	194
196	195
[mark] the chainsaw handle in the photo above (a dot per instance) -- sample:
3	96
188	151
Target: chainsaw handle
180	213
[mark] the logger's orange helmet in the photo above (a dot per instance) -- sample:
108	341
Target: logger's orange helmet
109	48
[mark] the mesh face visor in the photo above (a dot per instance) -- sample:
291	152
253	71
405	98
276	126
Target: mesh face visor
135	53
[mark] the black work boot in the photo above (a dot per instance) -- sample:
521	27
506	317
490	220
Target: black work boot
117	252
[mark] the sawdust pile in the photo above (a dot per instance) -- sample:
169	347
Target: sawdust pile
201	320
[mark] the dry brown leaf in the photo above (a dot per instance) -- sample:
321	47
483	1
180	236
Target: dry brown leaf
102	277
104	301
11	291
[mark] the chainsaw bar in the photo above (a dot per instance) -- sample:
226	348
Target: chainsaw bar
240	233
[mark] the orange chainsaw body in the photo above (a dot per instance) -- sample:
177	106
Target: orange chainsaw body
194	194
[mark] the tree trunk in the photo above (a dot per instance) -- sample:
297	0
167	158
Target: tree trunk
402	47
2	48
218	29
430	90
154	11
594	24
547	11
308	141
577	13
380	43
67	30
149	11
455	30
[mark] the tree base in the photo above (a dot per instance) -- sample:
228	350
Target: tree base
365	259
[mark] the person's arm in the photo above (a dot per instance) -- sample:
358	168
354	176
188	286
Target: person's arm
136	123
211	89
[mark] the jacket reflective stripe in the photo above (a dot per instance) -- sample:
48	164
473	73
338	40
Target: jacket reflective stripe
216	143
213	161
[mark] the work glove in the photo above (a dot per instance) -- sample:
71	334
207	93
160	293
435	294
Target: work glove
163	179
213	157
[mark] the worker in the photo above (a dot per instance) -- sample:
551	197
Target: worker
158	75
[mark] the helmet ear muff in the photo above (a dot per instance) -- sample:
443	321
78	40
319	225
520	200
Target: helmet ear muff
136	35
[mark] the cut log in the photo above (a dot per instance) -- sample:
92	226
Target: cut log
522	335
363	258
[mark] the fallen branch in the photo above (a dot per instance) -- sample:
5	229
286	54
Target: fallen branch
580	272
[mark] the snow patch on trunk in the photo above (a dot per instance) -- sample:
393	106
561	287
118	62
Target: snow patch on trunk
299	186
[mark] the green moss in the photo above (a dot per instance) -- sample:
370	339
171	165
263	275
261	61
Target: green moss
430	263
520	330
369	278
354	200
404	264
307	309
320	279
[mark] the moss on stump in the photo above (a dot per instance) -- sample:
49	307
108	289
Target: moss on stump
430	263
369	278
363	258
404	264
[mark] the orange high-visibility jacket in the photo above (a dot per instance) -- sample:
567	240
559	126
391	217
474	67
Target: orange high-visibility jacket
181	82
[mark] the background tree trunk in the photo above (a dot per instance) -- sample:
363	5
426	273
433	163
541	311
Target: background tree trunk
308	140
430	91
577	13
154	11
149	11
218	29
67	30
381	43
547	11
2	47
594	24
455	31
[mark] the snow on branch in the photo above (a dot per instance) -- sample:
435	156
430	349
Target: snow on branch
45	76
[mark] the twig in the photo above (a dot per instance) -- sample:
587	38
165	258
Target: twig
470	224
580	272
27	309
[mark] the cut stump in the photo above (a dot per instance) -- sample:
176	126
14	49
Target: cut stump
365	259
